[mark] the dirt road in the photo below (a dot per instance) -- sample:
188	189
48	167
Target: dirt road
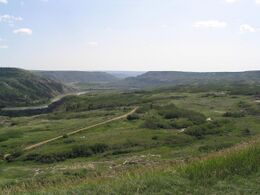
79	130
75	132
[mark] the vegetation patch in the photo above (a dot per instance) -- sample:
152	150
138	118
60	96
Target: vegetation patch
75	152
210	128
243	163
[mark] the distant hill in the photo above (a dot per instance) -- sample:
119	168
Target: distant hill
125	74
20	87
153	79
78	76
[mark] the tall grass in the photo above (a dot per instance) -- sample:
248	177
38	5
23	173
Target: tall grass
199	177
242	162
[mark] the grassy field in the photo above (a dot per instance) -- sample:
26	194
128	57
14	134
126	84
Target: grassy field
176	142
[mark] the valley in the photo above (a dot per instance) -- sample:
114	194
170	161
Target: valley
129	97
104	142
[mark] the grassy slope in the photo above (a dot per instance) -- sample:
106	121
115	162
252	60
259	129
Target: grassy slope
234	171
78	76
158	78
129	141
19	87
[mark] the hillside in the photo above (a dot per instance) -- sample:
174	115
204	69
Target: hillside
125	74
20	87
160	78
174	143
78	76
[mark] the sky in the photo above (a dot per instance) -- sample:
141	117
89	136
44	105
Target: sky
137	35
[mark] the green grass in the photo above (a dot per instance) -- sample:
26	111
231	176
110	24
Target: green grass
234	171
141	160
243	162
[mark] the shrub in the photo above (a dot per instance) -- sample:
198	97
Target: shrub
15	154
181	123
152	120
214	147
32	156
155	137
133	117
209	128
173	112
69	141
65	136
118	152
178	140
144	108
81	151
76	151
99	148
246	132
234	114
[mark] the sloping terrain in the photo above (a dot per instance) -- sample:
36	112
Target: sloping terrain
233	171
78	76
160	78
20	87
125	74
156	150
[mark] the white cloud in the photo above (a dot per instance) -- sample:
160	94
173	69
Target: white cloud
4	1
245	28
257	2
10	19
210	24
231	1
93	43
23	31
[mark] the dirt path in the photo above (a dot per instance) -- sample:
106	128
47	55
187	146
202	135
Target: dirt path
80	130
76	131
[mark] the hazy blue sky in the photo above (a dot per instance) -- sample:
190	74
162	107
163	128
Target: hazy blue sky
189	35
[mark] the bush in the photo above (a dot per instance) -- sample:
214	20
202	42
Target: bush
15	154
75	152
246	132
155	137
214	147
69	141
65	136
132	117
181	123
209	128
234	114
81	151
173	112
144	108
178	140
152	120
99	148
